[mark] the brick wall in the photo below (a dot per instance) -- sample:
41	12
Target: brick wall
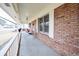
66	30
67	26
61	48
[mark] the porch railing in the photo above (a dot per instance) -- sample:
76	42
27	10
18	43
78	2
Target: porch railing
11	48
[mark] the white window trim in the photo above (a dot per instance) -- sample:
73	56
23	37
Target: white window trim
45	33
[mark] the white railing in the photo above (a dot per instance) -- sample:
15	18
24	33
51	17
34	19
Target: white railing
11	47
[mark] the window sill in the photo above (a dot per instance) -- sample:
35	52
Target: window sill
45	33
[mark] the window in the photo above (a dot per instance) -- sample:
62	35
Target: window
41	24
44	23
29	24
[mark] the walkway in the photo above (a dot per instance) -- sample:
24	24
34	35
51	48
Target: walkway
31	46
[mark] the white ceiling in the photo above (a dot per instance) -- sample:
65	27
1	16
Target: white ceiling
31	9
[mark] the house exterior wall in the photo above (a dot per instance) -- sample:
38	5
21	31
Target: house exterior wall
47	39
63	33
67	28
51	23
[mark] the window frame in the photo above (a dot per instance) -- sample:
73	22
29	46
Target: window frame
43	31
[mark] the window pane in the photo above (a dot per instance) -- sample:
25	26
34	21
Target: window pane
40	24
46	23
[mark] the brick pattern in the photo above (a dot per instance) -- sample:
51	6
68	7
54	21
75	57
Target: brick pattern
67	26
67	23
61	48
66	35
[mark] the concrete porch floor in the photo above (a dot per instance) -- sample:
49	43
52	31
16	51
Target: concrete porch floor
30	46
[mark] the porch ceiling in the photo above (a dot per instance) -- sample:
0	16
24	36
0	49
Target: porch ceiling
28	10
